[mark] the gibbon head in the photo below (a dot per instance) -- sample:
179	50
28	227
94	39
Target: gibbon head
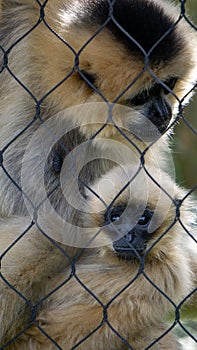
143	58
133	217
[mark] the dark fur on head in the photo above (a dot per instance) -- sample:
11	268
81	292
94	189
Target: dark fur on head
144	21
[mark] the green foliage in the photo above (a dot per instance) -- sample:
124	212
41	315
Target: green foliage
185	140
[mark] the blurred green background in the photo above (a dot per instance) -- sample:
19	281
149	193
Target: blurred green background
184	149
184	152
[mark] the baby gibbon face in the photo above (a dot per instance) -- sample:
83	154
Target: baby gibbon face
130	221
129	59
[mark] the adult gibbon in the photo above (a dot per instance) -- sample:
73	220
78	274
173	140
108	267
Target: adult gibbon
69	53
117	295
58	54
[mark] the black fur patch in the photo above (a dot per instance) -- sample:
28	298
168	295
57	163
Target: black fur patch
144	20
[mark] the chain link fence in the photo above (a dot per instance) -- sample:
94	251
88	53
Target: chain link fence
73	276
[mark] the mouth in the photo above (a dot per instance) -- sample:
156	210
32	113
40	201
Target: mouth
128	253
160	125
159	113
133	245
148	133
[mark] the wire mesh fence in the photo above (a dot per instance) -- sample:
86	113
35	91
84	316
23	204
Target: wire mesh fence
98	244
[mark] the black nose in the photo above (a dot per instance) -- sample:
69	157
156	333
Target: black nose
159	113
130	245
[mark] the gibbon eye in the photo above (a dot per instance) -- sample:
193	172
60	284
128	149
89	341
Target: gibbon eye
114	214
145	218
57	162
89	76
138	100
115	218
144	97
171	84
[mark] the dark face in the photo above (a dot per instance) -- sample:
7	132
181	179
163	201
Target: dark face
133	244
145	23
154	105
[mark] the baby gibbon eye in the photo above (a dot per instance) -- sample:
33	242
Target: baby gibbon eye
114	214
115	218
145	218
89	76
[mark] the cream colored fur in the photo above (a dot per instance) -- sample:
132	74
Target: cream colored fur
35	267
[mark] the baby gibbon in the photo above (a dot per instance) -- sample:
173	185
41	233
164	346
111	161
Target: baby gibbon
118	292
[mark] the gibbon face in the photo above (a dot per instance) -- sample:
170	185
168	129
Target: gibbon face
131	256
129	59
130	216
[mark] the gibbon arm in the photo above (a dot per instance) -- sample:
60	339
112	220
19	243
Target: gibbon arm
26	266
